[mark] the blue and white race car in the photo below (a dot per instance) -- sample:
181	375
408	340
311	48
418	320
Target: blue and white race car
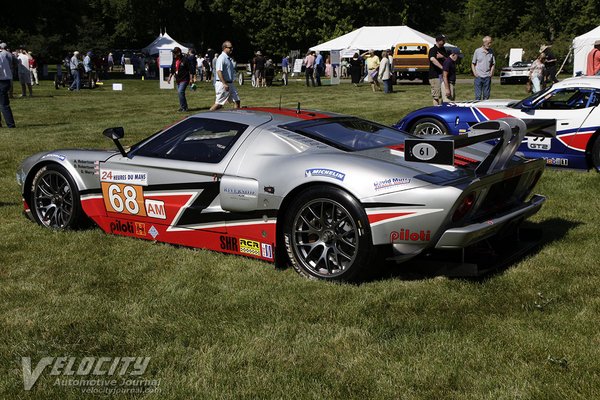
573	103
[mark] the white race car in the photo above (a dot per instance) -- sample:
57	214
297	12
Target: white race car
572	103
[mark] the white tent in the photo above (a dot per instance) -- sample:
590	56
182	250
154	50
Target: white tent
582	45
163	42
376	38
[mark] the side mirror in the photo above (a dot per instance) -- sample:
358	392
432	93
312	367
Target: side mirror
527	105
115	134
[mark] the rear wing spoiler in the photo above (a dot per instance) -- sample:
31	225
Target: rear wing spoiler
508	133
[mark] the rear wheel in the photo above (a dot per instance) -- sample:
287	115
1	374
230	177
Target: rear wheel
327	235
54	199
428	126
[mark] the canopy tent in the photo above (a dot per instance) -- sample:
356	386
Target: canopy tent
376	38
582	45
163	42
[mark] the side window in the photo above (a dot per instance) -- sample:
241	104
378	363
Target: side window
195	139
567	99
595	98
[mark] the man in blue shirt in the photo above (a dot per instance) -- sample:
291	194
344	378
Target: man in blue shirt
224	76
319	68
6	77
285	69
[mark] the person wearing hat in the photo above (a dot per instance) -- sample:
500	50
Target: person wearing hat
449	75
372	61
258	64
6	76
593	60
180	69
74	67
437	55
483	69
549	64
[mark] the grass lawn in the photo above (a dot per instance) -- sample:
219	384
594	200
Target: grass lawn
218	326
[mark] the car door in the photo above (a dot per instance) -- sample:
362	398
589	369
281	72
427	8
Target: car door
172	179
570	107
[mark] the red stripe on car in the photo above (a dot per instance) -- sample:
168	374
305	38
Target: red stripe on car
289	112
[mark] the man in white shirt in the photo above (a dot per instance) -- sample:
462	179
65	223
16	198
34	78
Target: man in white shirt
24	73
224	76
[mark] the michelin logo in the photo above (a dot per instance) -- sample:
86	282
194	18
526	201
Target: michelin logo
329	173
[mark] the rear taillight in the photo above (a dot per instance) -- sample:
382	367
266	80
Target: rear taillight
465	206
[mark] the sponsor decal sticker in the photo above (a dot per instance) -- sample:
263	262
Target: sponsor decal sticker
140	229
557	161
390	182
123	199
122	227
153	232
155	208
249	247
52	155
266	250
539	143
128	177
240	192
406	235
329	173
229	243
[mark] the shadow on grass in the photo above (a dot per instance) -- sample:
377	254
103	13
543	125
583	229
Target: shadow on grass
26	125
11	204
485	260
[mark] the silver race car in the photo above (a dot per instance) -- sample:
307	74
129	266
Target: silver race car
324	191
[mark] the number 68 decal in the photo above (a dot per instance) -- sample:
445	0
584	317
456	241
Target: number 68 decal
124	199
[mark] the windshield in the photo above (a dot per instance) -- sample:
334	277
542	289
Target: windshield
532	98
349	134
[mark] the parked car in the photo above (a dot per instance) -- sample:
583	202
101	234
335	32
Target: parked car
572	103
516	73
323	191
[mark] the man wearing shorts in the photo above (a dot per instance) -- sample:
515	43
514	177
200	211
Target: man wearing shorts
224	75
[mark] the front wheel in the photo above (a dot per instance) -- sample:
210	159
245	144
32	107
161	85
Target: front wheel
54	199
327	235
428	126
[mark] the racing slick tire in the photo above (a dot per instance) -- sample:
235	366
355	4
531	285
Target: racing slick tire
54	199
327	235
428	126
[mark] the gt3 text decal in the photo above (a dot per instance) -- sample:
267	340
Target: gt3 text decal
539	143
